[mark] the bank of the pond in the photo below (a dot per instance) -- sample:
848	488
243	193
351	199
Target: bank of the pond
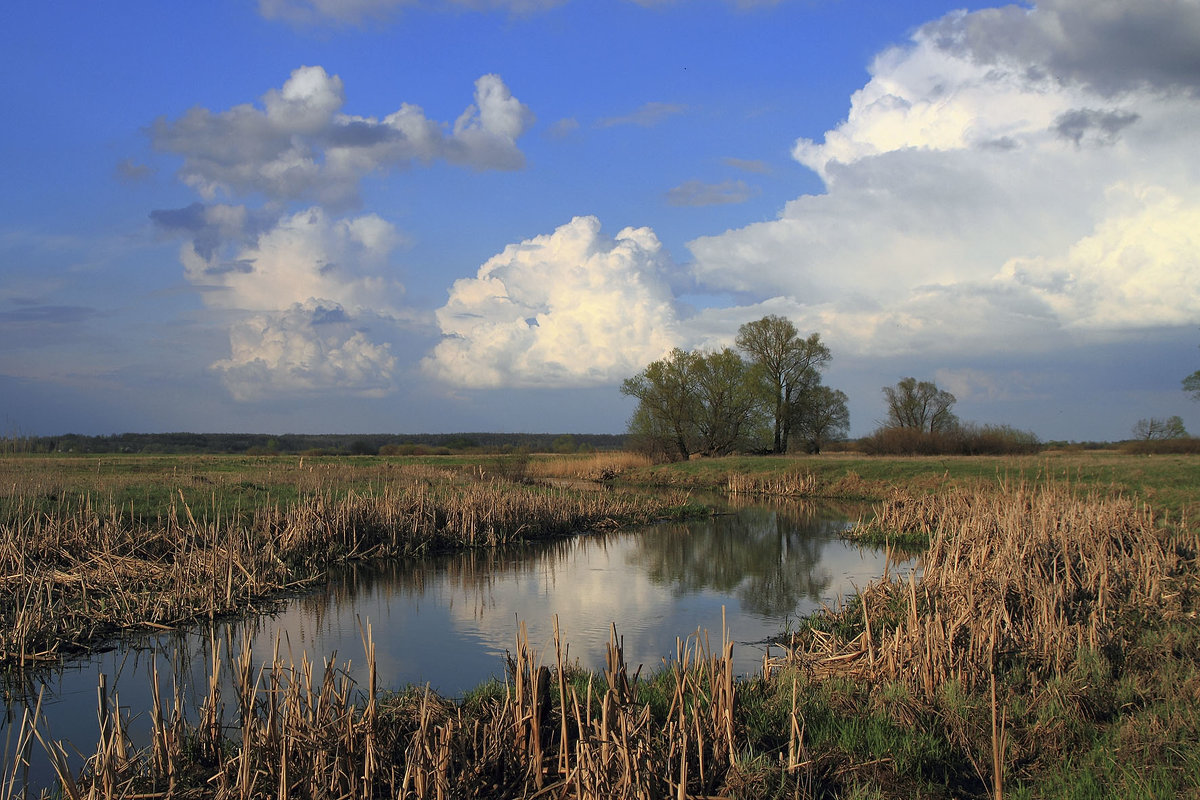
1169	483
1049	648
80	573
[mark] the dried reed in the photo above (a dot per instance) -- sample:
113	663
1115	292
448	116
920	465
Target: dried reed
78	576
594	467
790	484
300	732
1035	570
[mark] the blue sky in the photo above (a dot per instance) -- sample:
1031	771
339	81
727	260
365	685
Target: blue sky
370	215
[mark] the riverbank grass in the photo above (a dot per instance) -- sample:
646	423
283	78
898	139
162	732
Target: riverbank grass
1046	647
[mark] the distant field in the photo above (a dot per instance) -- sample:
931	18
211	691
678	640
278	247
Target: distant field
231	484
1168	483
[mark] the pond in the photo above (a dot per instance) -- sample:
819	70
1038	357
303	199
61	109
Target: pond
448	621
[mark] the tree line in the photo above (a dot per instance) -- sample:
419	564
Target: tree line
762	396
767	395
314	444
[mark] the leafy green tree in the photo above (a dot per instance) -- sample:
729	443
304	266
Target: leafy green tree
785	362
1191	385
1155	428
667	404
727	411
920	406
820	416
693	402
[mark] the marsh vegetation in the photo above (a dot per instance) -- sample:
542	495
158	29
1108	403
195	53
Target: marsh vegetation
1047	647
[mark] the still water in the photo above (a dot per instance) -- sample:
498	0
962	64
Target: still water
448	621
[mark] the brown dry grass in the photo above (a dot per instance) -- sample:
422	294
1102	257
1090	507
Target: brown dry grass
592	467
297	731
1036	570
80	575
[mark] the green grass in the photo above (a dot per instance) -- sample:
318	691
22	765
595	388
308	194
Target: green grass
1169	483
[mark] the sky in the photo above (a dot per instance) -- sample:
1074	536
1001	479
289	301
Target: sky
338	216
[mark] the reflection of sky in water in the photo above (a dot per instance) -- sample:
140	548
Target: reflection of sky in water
448	621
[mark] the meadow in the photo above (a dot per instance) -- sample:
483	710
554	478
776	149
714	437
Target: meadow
1049	645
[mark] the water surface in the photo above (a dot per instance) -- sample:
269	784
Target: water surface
447	621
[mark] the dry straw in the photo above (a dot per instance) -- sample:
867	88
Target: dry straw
84	572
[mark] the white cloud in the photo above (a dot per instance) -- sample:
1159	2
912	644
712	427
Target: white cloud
310	346
311	296
570	308
981	199
304	255
300	145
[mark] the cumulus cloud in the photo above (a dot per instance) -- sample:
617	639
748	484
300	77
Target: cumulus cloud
995	185
1106	46
299	145
307	347
310	293
570	308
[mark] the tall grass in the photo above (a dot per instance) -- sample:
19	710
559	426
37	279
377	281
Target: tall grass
601	466
302	731
1030	605
79	575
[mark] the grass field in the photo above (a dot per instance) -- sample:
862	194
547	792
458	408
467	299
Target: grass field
1050	646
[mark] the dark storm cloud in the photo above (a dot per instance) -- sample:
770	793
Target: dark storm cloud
1111	46
1102	127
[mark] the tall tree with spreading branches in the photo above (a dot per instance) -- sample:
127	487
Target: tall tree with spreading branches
786	364
920	406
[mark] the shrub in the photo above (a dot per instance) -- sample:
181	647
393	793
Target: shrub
967	439
1148	447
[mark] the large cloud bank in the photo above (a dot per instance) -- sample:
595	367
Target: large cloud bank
571	308
1008	178
310	295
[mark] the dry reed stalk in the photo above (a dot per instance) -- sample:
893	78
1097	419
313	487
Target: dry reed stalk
594	467
791	484
299	733
85	573
1038	571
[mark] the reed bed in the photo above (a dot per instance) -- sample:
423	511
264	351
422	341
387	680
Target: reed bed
302	731
594	467
78	576
1027	610
790	484
1033	571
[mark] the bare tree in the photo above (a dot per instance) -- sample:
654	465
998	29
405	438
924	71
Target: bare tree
1154	428
920	406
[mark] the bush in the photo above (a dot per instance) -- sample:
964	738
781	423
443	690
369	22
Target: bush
964	440
1148	447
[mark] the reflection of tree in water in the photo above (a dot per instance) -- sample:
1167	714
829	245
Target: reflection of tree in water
769	558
